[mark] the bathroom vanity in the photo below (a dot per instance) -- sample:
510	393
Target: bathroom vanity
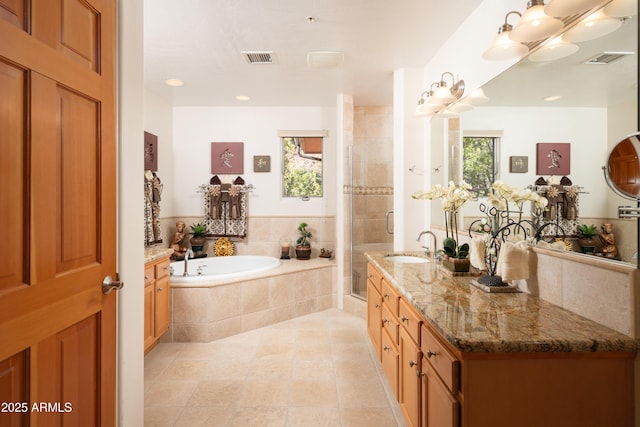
457	356
157	295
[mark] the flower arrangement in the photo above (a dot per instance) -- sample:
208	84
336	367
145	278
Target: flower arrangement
503	194
453	198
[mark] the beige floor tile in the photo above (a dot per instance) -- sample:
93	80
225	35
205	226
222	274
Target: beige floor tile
316	370
313	417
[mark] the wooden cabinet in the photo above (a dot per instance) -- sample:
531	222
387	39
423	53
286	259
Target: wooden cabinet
409	372
440	382
374	309
157	301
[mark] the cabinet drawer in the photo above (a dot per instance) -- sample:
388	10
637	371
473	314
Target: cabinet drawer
390	360
149	275
162	268
374	276
410	320
443	362
390	323
390	297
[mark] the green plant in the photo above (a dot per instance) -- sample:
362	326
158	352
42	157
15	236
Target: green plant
587	231
198	230
305	235
452	250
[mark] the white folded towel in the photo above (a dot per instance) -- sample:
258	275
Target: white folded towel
559	245
477	253
513	261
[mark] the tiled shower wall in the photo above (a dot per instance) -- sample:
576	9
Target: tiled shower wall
369	195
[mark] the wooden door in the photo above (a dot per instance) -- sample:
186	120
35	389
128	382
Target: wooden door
57	207
409	378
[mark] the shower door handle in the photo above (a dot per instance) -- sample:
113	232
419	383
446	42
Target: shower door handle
387	222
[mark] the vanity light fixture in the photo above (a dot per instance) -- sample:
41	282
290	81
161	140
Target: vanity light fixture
562	8
595	25
425	108
443	95
554	49
503	47
535	24
622	8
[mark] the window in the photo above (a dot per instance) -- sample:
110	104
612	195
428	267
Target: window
302	166
479	162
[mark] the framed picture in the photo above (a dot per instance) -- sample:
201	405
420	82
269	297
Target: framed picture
150	152
553	158
518	164
227	158
262	163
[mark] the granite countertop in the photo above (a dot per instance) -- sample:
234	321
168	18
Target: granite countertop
475	321
153	253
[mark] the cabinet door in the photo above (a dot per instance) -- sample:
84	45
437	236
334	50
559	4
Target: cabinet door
409	377
149	314
439	407
374	316
162	308
390	361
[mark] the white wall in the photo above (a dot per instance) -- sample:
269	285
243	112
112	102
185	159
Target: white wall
130	363
195	128
584	128
158	120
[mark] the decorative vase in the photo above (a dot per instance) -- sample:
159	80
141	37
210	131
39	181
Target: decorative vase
197	243
303	252
588	245
457	265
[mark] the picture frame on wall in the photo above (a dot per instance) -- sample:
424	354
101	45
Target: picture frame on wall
553	158
227	158
518	164
262	163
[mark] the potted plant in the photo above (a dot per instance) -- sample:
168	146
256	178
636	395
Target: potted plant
199	231
453	198
586	234
303	245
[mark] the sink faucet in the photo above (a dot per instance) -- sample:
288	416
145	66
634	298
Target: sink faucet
435	241
187	254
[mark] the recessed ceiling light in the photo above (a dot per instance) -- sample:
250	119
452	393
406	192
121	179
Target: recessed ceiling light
552	98
242	98
174	82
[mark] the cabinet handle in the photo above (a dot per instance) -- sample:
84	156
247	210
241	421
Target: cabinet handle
420	374
430	353
165	268
159	289
386	296
377	305
146	277
412	363
404	319
370	276
386	348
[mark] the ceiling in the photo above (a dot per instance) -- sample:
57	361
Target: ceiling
200	42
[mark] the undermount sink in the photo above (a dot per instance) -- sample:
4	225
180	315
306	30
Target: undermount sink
407	259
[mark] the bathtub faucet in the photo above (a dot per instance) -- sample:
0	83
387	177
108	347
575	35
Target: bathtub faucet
187	254
435	242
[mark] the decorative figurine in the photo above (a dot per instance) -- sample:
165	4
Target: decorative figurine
178	243
608	239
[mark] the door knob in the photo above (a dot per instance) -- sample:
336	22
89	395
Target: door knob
108	285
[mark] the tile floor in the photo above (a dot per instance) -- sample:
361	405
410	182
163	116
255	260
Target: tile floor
317	370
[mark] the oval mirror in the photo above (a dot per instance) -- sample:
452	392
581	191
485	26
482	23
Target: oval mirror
622	172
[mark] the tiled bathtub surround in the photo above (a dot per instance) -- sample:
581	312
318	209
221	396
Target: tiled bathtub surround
220	309
264	233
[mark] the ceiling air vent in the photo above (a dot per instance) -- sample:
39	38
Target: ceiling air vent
258	57
607	58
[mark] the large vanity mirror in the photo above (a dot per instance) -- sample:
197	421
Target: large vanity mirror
587	100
